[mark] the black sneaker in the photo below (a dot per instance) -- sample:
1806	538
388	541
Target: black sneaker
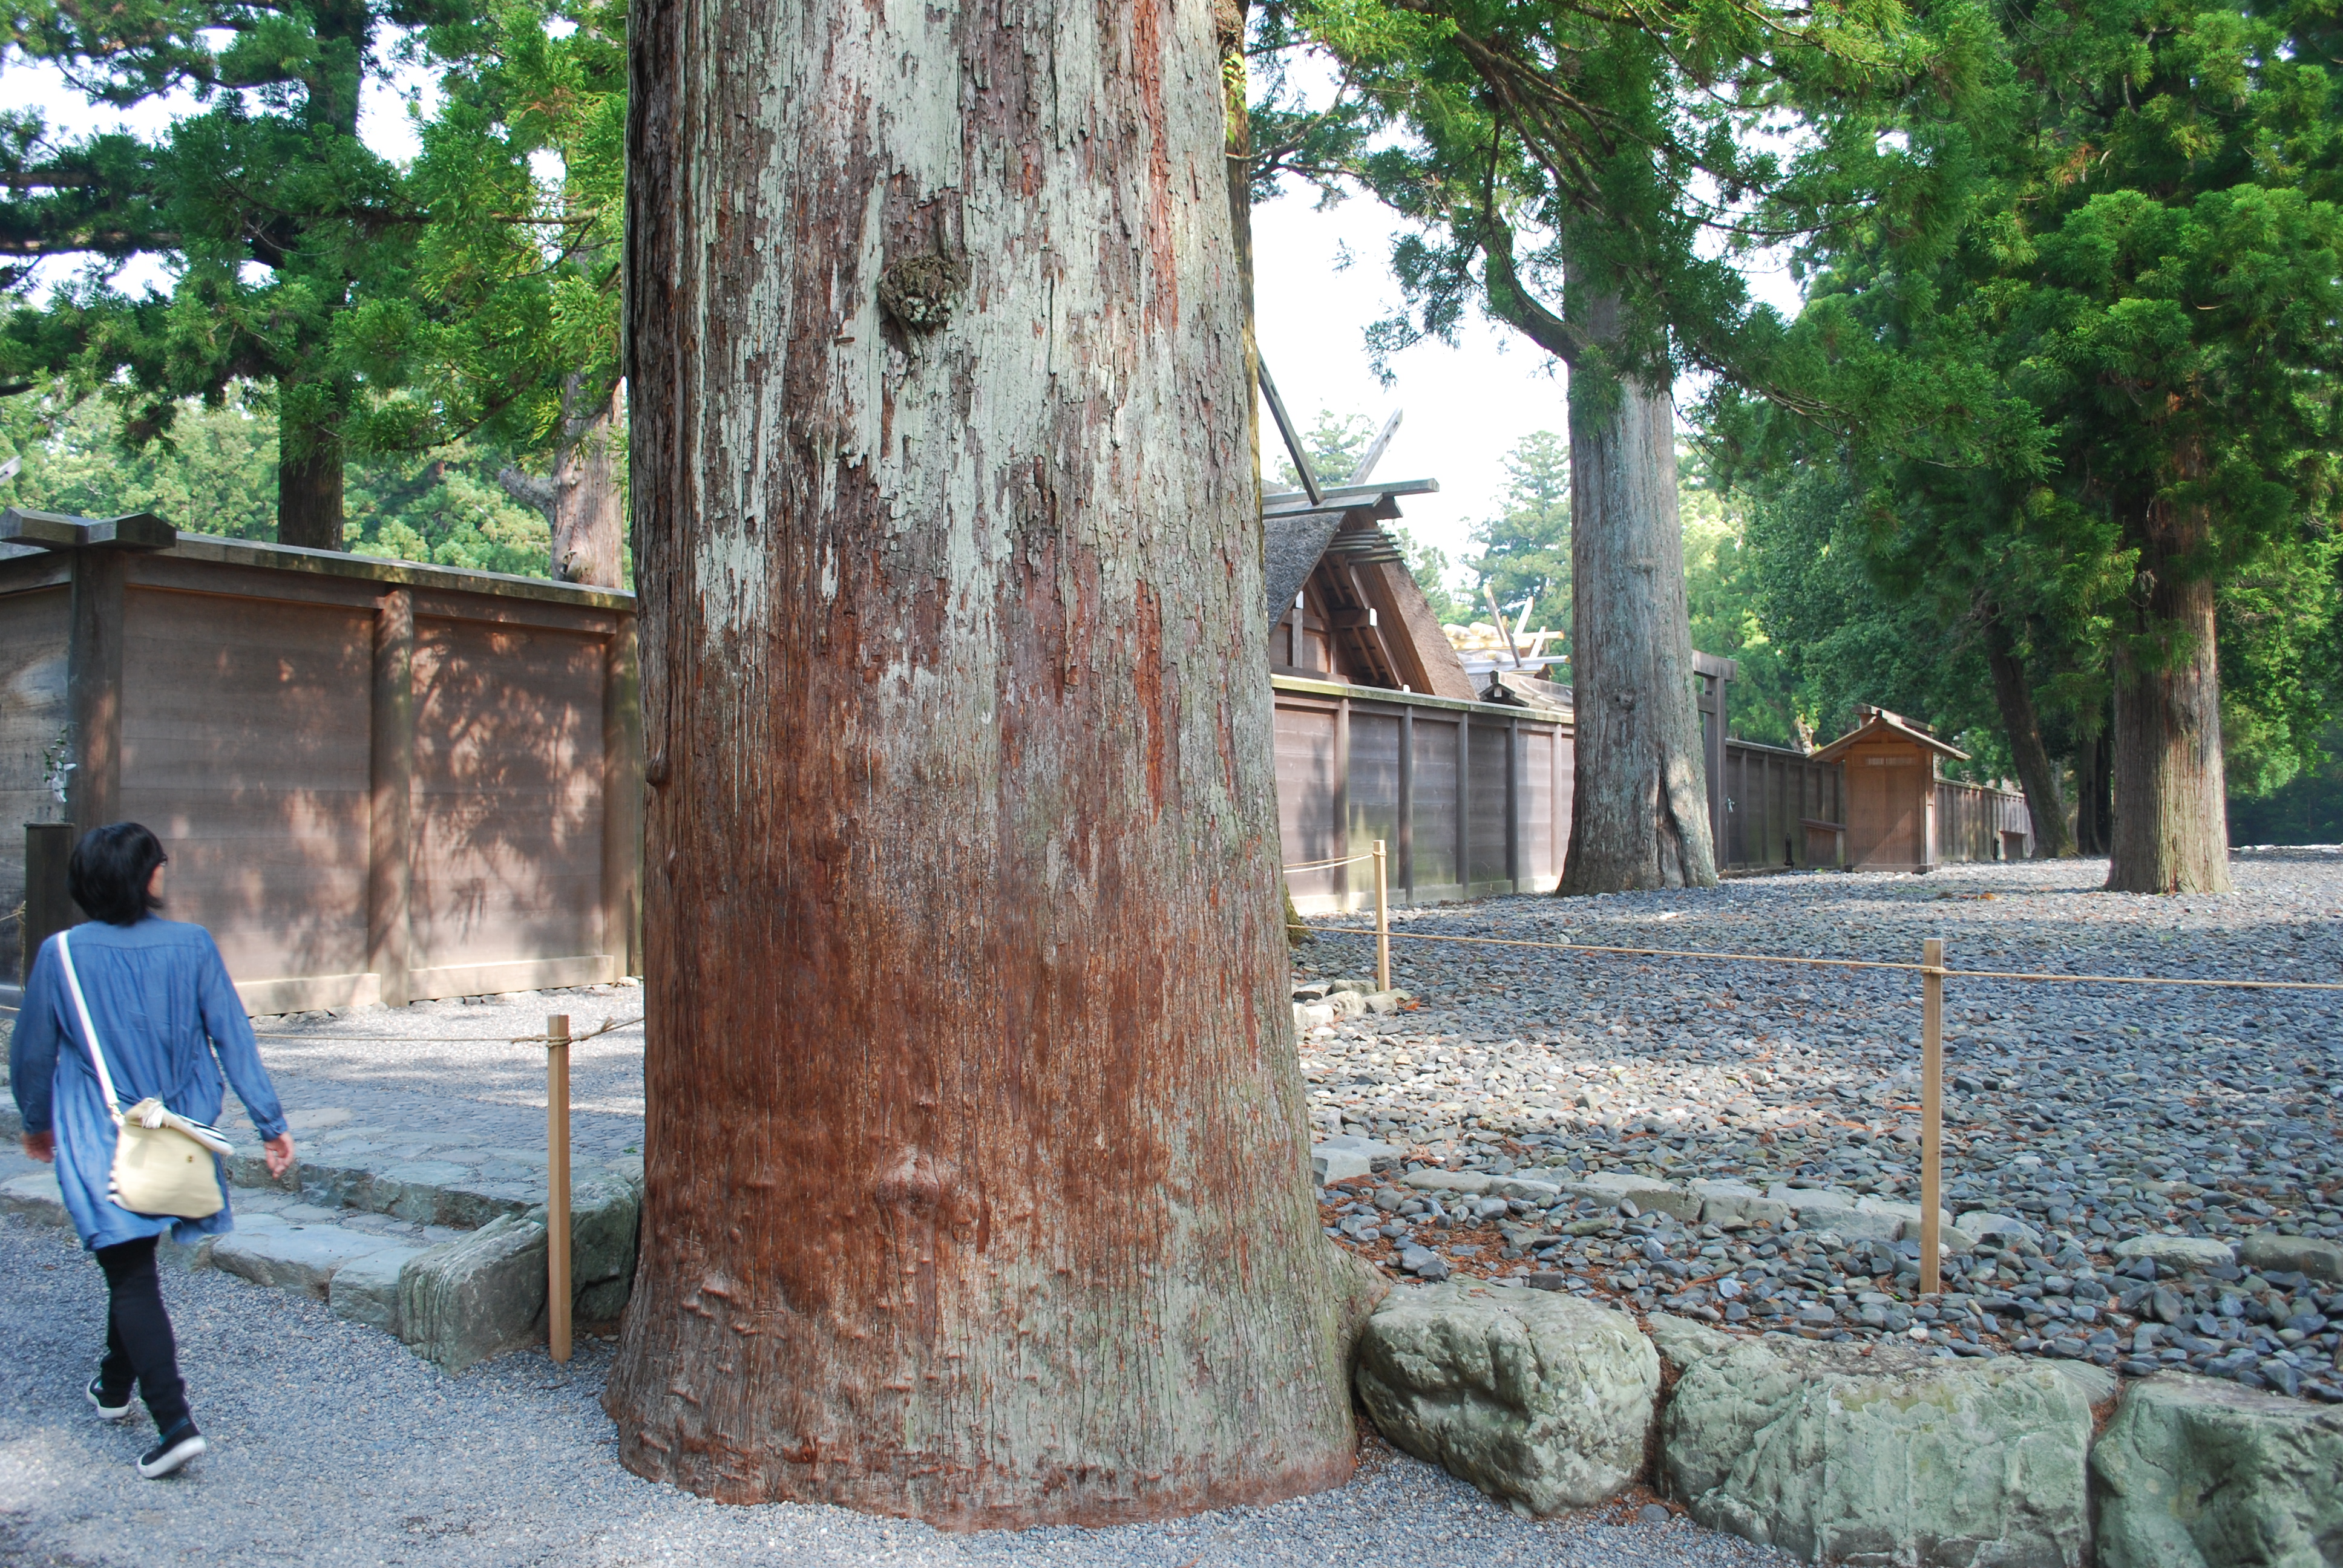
178	1446
107	1408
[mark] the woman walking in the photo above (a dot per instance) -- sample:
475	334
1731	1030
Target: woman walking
162	1010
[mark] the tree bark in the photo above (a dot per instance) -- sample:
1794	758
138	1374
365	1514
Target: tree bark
2015	697
2094	793
581	500
977	1179
1639	816
308	487
2171	815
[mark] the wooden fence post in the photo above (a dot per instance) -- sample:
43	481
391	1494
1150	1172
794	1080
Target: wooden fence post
1383	918
557	1204
1932	1109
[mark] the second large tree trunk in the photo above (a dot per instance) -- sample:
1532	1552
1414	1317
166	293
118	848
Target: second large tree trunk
2171	817
308	487
1639	816
977	1179
2015	697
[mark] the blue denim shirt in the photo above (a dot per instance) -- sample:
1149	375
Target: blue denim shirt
169	1021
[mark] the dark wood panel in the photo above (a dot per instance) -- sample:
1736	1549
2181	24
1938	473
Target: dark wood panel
243	745
1374	786
507	826
33	628
1488	804
1306	793
1435	799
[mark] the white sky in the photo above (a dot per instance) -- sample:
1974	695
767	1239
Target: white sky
1466	406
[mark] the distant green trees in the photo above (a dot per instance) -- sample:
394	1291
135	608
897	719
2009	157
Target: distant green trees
2099	430
215	473
465	302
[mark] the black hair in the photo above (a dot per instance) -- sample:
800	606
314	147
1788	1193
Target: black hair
109	871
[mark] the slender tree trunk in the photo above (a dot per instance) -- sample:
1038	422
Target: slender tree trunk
976	1151
588	533
2015	697
1639	817
308	488
2171	815
2094	792
581	500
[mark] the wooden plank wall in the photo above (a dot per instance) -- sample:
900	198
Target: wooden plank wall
1770	791
507	800
33	627
1375	764
1305	796
1977	822
245	747
1431	845
375	779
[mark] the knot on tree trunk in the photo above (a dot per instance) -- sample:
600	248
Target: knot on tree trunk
919	291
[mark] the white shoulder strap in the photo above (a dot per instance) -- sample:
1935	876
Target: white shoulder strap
88	1029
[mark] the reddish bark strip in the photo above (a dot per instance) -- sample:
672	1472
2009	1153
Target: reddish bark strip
976	1151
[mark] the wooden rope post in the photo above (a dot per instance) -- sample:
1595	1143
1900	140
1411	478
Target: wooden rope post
556	1175
1383	918
1932	1111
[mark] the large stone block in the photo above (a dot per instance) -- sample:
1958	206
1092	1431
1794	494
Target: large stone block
2267	1251
1467	1183
2200	1472
366	1289
1649	1195
1721	1201
476	1297
2179	1254
1538	1399
1887	1460
605	1216
302	1258
1340	1159
35	1196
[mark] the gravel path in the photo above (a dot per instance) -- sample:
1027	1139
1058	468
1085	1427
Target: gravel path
2093	1115
331	1445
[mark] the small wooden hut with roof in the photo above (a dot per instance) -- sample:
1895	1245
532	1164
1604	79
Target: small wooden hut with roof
1891	764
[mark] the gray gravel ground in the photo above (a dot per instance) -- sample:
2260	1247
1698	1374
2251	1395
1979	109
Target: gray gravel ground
331	1445
2093	1114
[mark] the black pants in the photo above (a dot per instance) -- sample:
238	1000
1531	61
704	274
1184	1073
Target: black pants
139	1343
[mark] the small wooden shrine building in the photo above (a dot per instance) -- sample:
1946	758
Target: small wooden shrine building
1901	815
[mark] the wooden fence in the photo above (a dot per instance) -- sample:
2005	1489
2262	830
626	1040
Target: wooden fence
1773	798
1977	822
377	781
1470	797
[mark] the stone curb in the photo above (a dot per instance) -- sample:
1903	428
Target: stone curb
455	1303
1889	1457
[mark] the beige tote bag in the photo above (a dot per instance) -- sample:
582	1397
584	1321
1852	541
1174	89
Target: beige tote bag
163	1162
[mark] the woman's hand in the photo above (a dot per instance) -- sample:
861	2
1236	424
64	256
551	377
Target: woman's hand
278	1152
41	1146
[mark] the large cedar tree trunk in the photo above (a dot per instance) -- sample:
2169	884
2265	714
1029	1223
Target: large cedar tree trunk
1639	816
2015	697
976	1149
2171	816
308	488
